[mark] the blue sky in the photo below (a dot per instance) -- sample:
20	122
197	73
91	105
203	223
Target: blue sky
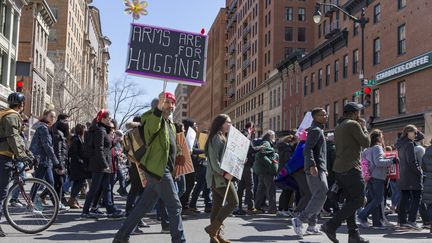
188	15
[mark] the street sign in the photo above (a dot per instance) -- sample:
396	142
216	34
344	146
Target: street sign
167	54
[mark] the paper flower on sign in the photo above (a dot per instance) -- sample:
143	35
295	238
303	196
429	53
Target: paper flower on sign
136	8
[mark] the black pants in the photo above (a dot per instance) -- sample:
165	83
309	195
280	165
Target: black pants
190	183
136	188
409	202
246	185
352	184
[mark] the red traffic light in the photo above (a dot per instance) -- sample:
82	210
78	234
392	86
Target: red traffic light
20	84
367	90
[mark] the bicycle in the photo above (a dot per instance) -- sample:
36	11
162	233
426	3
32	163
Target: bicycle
23	208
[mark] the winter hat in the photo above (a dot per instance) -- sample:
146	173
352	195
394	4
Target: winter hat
170	96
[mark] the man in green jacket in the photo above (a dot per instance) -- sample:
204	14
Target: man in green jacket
159	165
351	138
12	146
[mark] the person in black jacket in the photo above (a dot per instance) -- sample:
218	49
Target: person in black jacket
285	149
78	171
410	181
100	164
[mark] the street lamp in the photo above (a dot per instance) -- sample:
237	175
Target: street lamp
362	21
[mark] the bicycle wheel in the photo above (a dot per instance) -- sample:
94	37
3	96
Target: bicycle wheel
26	211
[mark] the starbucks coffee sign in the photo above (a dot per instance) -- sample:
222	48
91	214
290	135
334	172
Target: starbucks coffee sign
413	65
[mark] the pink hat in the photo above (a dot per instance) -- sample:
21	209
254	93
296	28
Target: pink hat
302	135
170	96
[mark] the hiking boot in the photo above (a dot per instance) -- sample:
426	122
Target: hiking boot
213	230
331	233
220	238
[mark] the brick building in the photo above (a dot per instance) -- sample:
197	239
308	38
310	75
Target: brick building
397	56
259	35
36	21
208	101
181	94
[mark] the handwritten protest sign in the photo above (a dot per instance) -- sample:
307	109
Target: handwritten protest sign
187	166
167	54
235	154
190	138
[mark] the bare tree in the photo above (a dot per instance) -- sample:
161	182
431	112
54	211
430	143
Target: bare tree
124	100
77	98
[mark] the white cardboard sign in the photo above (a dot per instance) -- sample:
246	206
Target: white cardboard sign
235	153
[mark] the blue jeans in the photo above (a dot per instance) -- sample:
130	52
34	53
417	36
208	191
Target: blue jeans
165	189
375	195
5	176
395	193
45	173
201	186
181	186
100	180
20	166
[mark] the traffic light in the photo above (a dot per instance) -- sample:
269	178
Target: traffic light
367	90
19	86
367	100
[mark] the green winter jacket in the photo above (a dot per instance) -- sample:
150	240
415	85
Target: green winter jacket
156	136
214	155
11	143
266	160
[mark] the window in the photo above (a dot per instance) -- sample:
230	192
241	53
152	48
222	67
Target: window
288	33
376	101
271	100
301	14
52	35
336	71
320	74
2	58
327	80
401	4
279	96
356	29
376	51
305	86
355	61
345	67
312	86
335	113
319	31
401	40
377	13
401	97
3	18
288	51
302	34
289	13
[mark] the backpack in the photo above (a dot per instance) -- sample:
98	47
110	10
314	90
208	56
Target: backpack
365	167
88	147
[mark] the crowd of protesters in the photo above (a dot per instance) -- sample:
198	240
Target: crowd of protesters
341	176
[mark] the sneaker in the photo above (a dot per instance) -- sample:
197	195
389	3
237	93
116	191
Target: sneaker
137	232
363	223
387	223
165	231
284	213
239	212
143	224
331	234
62	207
89	216
115	215
298	226
413	225
16	203
195	210
97	212
313	230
